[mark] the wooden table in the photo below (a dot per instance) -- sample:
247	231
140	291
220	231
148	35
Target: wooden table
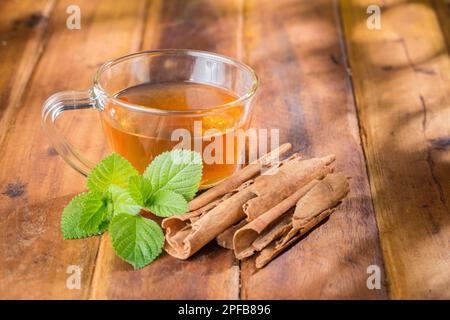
378	99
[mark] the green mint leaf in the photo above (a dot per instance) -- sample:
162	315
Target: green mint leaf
178	170
114	169
122	202
95	211
70	220
166	203
136	239
140	189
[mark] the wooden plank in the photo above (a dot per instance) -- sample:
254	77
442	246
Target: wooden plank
402	85
23	30
35	183
214	26
213	273
295	48
443	12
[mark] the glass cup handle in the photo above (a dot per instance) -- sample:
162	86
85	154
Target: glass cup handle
52	108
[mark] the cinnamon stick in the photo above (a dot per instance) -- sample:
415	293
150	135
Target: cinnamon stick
244	237
280	228
296	173
184	237
274	249
239	177
310	210
225	239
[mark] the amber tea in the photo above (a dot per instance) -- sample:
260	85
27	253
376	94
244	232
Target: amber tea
154	101
141	137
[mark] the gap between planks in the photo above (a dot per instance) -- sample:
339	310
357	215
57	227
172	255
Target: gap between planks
362	135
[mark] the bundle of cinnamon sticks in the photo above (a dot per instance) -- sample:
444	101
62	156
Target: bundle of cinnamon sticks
250	212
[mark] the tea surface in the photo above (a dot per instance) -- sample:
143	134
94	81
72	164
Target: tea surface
177	96
141	136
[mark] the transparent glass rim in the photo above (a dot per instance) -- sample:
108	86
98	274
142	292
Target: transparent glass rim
174	52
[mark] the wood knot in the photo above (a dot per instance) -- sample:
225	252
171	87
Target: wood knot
440	143
15	189
30	21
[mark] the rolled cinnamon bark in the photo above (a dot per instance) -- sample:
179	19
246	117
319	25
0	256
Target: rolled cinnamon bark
235	180
185	236
294	174
275	248
280	227
245	236
311	209
225	239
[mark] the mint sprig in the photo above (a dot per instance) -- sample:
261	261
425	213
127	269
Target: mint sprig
140	190
167	203
122	202
178	170
117	194
94	211
136	239
112	170
70	220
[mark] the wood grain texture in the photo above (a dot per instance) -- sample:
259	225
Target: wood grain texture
212	273
295	48
35	183
442	8
23	36
401	81
402	85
